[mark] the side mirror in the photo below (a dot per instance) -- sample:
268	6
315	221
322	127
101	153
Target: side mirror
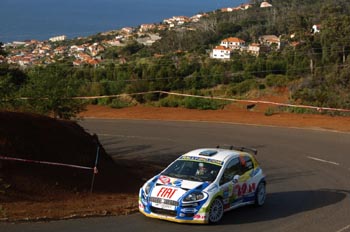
235	179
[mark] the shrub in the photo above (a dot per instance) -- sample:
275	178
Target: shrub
243	87
273	80
104	101
270	111
119	103
202	103
170	101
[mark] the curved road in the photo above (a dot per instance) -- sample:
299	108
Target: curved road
308	174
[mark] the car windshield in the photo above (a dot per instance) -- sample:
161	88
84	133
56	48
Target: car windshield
192	170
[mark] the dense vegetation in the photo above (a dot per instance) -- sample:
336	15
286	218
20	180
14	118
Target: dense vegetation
317	71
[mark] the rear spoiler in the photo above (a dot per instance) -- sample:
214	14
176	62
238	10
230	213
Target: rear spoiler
245	149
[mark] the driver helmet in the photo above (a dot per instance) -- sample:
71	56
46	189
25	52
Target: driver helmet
201	169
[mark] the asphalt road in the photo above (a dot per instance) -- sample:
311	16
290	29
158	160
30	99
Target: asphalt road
308	175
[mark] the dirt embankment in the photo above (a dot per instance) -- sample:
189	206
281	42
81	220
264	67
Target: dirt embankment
31	191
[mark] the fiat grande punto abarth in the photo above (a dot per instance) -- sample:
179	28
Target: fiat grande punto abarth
202	184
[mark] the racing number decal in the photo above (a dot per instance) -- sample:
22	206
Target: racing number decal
166	192
244	188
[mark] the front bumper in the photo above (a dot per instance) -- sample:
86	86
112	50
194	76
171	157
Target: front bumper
179	214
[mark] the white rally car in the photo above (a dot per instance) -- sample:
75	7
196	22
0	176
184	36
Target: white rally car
202	184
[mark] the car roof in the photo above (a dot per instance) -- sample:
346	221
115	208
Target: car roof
214	153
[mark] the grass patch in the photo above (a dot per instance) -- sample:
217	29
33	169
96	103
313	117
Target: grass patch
192	103
270	111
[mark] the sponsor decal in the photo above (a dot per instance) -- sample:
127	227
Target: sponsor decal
165	192
164	179
226	191
177	183
202	159
255	172
243	189
199	217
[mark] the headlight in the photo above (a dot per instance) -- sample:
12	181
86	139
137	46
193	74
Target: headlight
147	188
195	196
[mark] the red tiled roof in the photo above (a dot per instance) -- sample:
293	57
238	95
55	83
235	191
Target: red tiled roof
233	39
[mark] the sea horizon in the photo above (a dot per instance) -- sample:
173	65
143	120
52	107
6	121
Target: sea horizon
42	19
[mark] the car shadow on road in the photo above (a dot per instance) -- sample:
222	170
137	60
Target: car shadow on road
284	204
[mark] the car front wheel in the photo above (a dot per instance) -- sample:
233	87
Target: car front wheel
216	211
260	194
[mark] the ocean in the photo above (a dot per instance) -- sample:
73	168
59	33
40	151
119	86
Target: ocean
41	19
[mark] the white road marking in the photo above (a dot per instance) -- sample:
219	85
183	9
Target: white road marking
323	161
344	229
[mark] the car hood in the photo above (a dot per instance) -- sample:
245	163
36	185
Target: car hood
173	188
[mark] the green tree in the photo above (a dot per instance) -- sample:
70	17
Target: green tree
51	92
11	80
2	50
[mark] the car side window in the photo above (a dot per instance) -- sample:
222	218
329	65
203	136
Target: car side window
247	164
233	168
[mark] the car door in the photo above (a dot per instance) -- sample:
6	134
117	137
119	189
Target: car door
247	186
228	185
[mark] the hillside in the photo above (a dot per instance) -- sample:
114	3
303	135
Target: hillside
278	48
29	191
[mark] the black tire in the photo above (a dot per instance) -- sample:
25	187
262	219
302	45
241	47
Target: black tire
216	211
260	194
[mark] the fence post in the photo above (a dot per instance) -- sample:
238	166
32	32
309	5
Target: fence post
95	171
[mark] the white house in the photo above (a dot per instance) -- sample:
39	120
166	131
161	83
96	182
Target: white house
246	6
265	4
127	30
233	43
316	28
176	20
230	9
95	49
75	48
58	38
147	27
197	17
221	52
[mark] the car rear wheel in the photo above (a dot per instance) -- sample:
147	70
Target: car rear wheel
216	211
260	194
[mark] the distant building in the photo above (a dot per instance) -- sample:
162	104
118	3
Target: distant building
197	17
246	6
114	42
240	7
256	49
316	28
221	52
95	49
18	43
230	9
265	5
127	30
147	27
58	38
270	40
176	20
233	43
